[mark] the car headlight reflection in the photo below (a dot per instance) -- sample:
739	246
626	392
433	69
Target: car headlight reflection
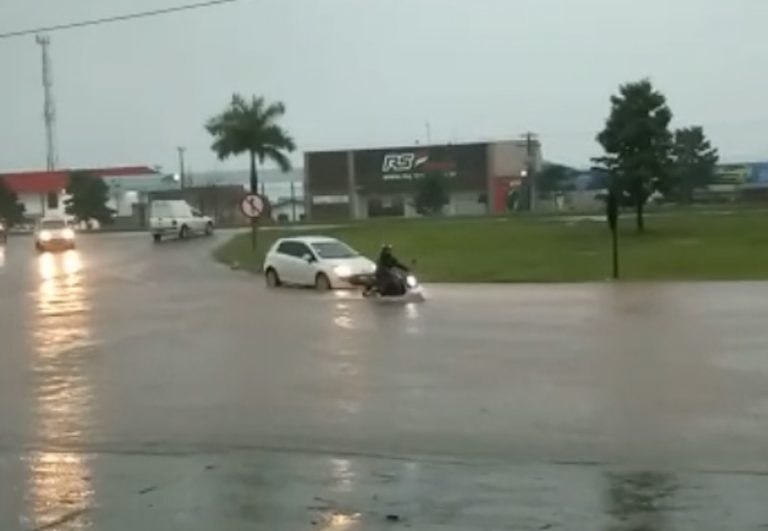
72	263
343	271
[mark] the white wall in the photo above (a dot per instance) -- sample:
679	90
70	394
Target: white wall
466	204
36	205
33	206
122	202
460	204
288	211
509	159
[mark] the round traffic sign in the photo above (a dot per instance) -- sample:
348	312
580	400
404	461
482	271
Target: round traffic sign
252	206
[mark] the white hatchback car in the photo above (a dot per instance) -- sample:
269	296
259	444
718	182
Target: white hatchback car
324	263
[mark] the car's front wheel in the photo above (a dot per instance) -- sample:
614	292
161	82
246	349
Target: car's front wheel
157	237
322	282
183	232
209	229
273	279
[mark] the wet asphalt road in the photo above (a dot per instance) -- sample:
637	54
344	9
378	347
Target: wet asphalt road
145	387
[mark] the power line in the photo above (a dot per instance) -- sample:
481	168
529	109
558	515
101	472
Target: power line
109	20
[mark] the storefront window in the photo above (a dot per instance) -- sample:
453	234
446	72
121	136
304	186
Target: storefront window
386	207
53	200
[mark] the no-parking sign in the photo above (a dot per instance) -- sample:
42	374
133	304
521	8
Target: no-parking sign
252	206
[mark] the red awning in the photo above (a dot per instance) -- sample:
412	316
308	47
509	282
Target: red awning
37	182
43	182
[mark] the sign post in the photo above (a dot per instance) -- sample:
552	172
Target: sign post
612	213
252	206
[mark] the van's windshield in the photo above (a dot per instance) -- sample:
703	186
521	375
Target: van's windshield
53	224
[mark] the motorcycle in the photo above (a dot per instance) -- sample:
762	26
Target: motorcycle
406	288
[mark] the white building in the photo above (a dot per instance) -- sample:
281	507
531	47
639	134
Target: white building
43	193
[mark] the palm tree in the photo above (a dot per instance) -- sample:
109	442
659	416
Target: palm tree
251	127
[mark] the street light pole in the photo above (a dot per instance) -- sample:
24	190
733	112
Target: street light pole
530	169
182	172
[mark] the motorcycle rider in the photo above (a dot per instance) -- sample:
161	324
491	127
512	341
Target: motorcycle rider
387	279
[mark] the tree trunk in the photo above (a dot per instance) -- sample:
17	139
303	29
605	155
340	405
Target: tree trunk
254	174
639	214
689	195
254	190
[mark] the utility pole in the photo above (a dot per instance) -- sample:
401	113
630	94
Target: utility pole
182	171
530	168
49	109
293	201
612	213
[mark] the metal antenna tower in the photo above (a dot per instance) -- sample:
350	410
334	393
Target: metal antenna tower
49	109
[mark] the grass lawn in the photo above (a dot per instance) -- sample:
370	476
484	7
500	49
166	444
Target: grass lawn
676	245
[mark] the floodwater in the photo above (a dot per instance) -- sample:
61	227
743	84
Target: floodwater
144	387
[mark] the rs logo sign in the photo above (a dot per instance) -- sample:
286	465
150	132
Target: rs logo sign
402	162
395	162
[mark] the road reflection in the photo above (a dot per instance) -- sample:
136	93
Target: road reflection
343	316
345	362
640	501
344	481
343	475
59	489
339	521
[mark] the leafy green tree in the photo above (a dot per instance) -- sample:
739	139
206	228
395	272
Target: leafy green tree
555	178
431	194
88	197
637	143
251	127
11	211
694	161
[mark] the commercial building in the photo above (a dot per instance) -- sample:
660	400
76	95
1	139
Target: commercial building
367	183
283	190
43	193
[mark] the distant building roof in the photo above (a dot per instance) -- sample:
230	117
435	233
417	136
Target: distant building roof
119	171
287	201
37	182
42	182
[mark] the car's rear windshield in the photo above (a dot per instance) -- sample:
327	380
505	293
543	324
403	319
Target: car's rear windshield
332	250
53	224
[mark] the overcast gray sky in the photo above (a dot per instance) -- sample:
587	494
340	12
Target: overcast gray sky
373	72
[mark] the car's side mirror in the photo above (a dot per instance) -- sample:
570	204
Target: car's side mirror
309	258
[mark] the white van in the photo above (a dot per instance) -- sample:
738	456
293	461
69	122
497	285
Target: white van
176	218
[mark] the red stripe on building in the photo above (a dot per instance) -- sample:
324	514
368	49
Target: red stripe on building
43	182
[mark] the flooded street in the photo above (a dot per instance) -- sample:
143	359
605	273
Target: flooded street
145	387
